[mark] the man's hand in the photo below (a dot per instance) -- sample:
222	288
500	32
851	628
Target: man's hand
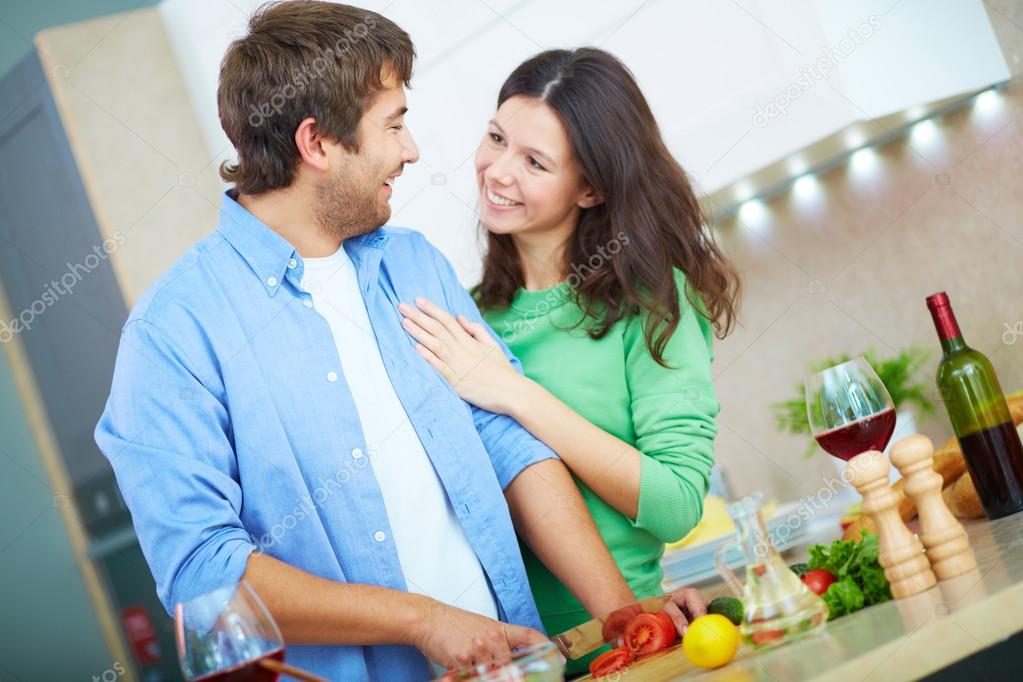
455	638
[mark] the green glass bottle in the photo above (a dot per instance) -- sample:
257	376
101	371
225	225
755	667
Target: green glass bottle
980	417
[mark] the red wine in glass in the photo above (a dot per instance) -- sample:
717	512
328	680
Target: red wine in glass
849	409
226	635
250	671
868	433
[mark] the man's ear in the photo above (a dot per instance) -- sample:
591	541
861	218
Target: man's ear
311	144
590	198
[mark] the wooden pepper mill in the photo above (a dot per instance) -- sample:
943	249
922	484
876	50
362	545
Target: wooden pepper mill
947	544
900	552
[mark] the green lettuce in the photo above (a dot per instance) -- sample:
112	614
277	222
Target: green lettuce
859	578
843	596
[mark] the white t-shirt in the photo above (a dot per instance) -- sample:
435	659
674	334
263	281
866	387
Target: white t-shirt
435	554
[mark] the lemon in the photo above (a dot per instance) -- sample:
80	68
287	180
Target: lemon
711	641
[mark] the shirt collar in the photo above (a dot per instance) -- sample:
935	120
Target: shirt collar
272	257
268	254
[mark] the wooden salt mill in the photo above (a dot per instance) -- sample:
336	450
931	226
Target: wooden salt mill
900	552
947	544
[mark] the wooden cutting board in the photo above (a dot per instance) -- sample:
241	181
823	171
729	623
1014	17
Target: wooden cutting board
666	665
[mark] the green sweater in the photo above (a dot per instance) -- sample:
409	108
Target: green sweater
666	414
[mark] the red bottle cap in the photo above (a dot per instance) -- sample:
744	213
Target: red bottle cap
944	319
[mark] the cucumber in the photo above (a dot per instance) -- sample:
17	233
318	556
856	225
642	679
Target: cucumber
729	607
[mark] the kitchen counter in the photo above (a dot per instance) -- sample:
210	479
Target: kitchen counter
899	640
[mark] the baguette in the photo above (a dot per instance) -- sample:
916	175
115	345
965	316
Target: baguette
962	500
1015	403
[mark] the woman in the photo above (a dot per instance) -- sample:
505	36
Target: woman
602	278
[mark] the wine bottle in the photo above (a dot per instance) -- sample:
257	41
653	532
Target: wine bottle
980	417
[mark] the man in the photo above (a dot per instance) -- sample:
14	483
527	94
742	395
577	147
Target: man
270	420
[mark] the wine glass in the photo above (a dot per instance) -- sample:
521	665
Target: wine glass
226	635
849	409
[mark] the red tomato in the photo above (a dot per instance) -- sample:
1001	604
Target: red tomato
818	580
649	632
611	661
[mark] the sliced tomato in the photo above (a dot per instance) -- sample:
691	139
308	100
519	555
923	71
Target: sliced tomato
611	661
649	632
614	624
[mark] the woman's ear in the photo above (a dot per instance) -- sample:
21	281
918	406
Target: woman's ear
589	199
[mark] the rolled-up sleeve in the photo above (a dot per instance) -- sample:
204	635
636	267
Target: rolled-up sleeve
511	447
167	438
674	413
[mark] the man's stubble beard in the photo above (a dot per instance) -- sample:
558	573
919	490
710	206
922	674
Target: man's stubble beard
347	204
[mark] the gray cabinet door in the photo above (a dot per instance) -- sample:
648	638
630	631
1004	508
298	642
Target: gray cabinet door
66	304
68	312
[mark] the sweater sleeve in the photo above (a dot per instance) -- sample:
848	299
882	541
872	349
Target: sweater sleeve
674	412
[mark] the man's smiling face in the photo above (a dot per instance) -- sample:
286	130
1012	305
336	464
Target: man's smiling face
355	197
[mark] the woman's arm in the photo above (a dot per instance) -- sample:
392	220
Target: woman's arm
473	363
551	517
660	483
609	466
673	413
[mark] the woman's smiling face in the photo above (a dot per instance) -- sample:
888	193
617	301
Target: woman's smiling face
528	177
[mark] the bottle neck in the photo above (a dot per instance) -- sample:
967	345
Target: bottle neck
954	344
947	327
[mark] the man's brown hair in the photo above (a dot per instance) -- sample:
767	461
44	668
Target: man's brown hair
302	58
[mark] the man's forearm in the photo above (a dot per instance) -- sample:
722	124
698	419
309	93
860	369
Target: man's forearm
312	610
550	515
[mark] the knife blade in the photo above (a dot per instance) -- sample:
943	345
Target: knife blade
593	634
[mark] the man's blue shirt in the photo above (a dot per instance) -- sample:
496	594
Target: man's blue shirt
231	429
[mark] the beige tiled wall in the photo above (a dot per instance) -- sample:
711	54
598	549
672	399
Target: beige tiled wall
852	271
142	159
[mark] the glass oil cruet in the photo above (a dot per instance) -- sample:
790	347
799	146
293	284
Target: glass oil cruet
777	606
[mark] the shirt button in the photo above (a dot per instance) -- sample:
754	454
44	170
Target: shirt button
271	281
357	453
331	377
292	263
379	536
307	303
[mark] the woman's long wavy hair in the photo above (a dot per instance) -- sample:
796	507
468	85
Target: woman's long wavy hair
648	204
